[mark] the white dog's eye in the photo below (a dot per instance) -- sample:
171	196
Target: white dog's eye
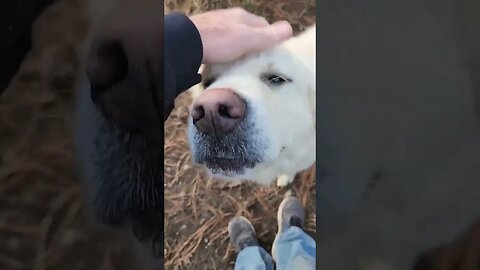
275	80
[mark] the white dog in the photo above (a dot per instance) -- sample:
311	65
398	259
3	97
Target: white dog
256	118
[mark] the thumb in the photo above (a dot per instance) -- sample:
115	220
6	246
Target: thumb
268	36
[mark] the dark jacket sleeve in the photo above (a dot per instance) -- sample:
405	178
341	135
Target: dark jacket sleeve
183	56
16	20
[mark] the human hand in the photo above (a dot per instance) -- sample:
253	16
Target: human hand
230	33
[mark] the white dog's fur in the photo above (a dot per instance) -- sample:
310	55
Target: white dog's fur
283	116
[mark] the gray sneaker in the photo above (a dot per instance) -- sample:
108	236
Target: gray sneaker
242	233
290	213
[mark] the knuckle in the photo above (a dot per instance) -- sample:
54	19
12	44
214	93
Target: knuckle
239	10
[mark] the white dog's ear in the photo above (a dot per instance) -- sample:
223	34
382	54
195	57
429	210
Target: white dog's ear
197	89
206	71
304	45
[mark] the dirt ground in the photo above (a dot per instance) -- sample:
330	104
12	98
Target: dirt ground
42	224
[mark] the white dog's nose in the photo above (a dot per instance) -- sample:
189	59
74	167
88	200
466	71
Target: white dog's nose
218	111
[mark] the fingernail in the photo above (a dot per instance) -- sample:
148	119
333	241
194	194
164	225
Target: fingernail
263	19
282	29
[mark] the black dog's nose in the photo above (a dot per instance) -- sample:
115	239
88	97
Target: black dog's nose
217	112
106	65
124	66
124	90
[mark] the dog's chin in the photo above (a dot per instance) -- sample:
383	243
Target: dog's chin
227	168
230	156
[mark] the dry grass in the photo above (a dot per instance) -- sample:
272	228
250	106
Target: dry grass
39	201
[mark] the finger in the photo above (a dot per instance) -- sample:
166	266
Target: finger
236	10
233	14
255	21
243	16
268	36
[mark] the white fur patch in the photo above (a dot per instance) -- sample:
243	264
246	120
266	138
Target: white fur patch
283	116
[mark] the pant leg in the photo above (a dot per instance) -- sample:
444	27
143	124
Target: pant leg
253	258
294	249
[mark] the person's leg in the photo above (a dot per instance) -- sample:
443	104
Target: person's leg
293	248
251	256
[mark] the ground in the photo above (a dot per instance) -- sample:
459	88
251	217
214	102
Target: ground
42	223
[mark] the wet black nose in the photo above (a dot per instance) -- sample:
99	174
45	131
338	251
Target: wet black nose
125	68
122	95
106	65
217	112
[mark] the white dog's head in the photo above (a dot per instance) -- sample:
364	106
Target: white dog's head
255	108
